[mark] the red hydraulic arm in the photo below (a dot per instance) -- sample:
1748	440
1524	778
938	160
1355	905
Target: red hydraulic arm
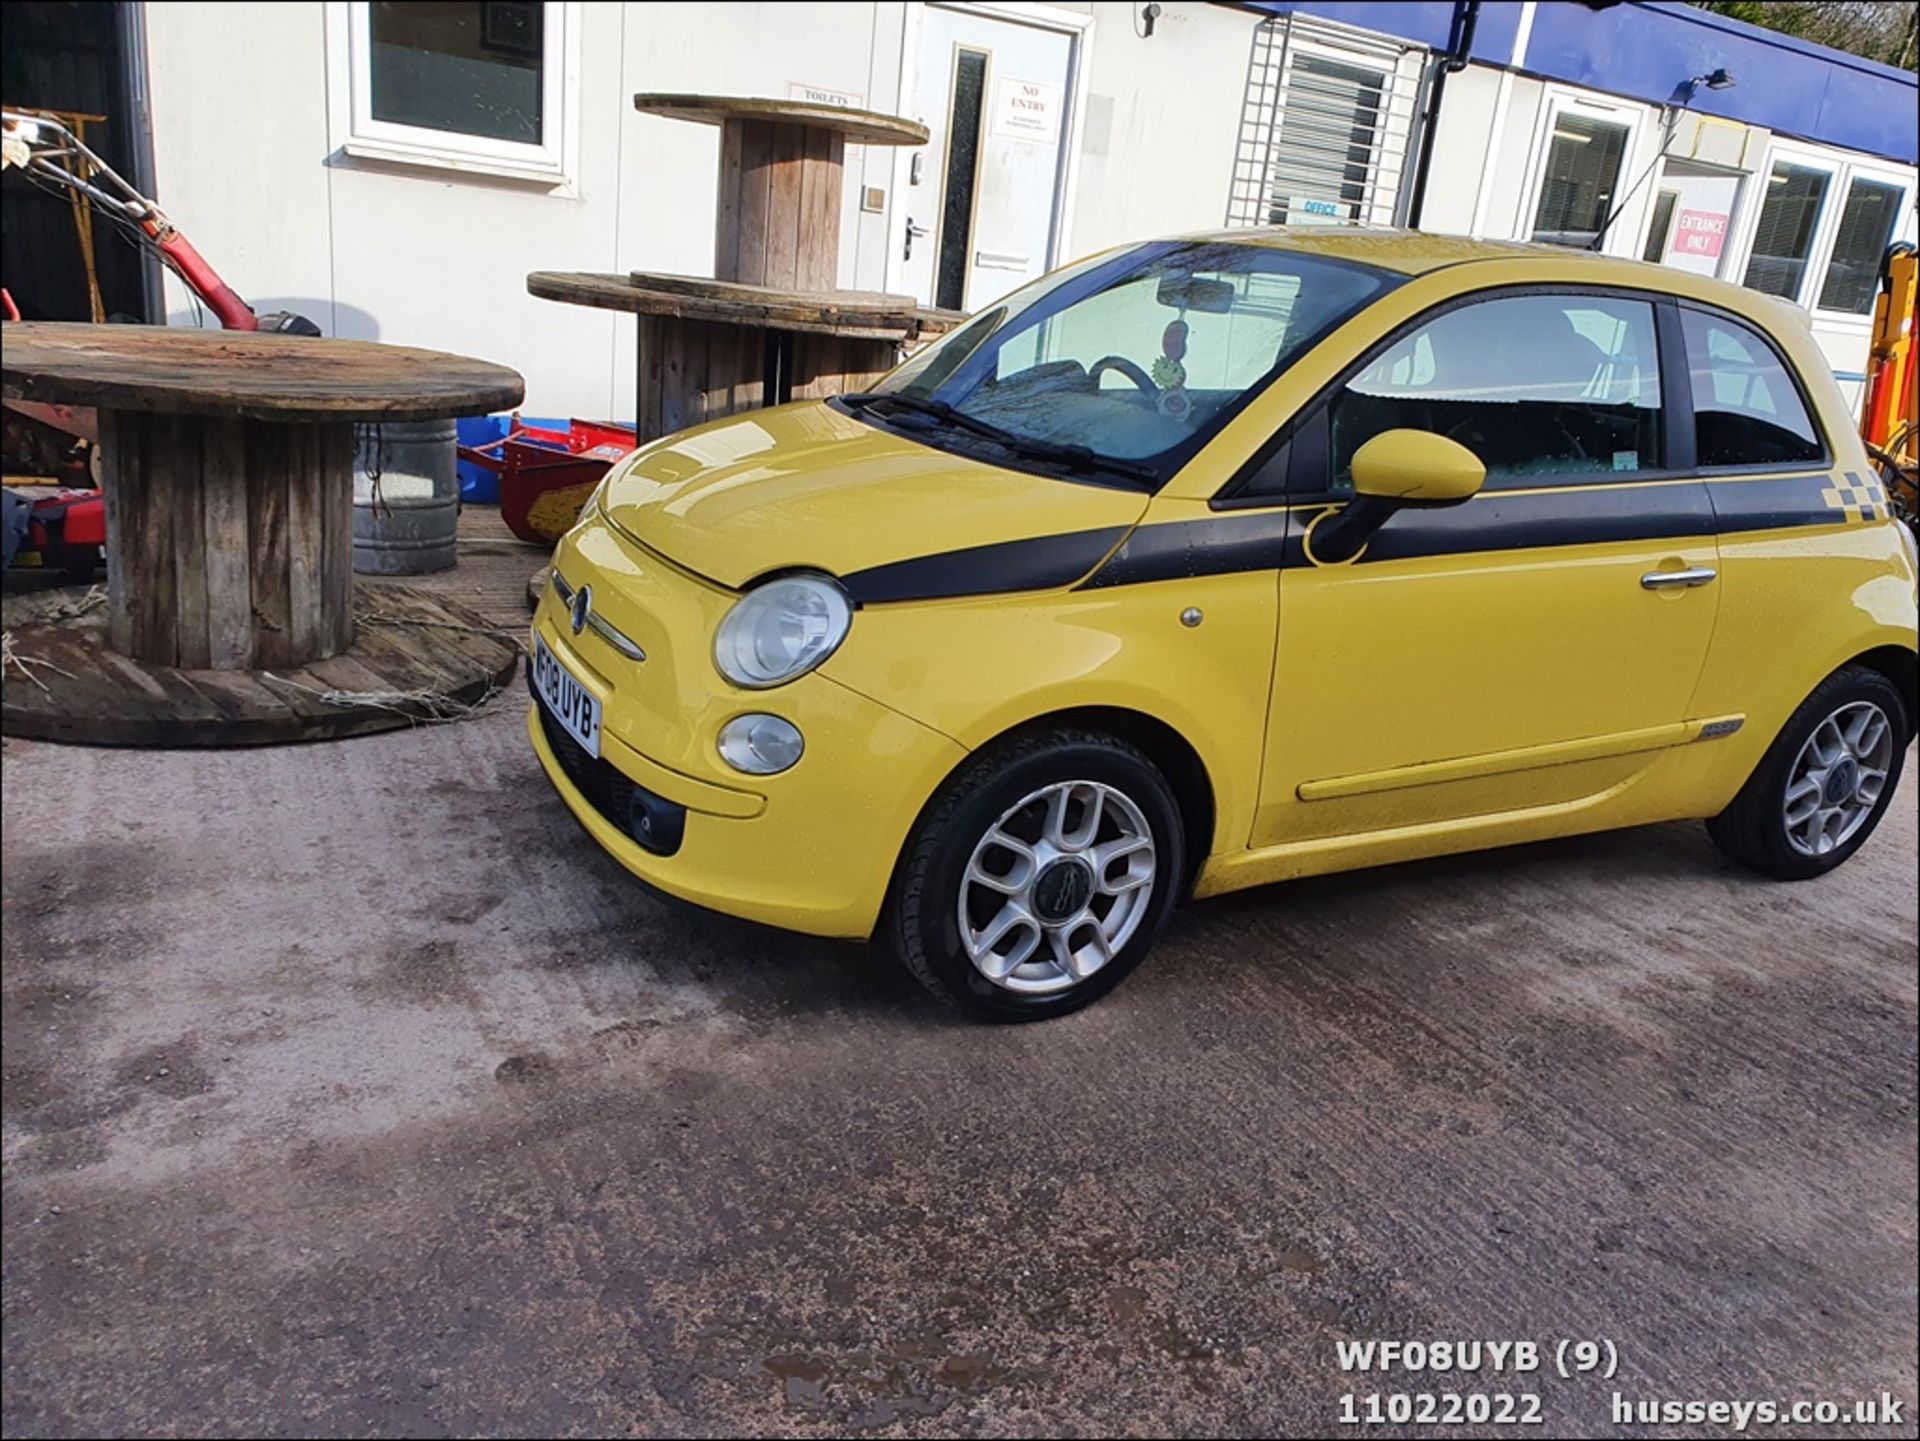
177	251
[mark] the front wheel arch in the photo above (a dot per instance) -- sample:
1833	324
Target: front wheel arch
979	805
1166	747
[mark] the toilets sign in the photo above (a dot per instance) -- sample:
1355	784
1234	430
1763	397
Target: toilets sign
1027	110
820	95
1700	233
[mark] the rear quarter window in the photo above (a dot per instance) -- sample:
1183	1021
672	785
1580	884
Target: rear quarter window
1747	409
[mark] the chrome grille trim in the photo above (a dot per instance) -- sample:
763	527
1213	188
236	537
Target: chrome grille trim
614	638
596	623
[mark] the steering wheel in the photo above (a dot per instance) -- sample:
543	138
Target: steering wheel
1127	368
1574	446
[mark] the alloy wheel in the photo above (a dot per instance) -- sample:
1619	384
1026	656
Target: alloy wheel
1056	887
1838	778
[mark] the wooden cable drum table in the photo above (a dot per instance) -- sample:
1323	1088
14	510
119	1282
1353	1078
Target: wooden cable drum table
227	462
711	348
770	326
782	175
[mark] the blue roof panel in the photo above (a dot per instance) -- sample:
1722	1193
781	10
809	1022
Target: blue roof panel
1649	52
1649	49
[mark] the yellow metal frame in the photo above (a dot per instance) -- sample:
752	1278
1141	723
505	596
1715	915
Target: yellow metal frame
1890	401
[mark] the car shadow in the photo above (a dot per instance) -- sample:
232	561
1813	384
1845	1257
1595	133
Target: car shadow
771	976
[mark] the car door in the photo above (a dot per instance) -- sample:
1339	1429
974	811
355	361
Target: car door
1537	646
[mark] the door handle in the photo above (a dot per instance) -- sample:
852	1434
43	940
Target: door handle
913	231
1678	579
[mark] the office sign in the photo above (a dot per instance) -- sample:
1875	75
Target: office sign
1304	210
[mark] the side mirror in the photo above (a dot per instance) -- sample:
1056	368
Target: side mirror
1417	467
1394	470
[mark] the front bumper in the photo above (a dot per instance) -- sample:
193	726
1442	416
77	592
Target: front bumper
811	850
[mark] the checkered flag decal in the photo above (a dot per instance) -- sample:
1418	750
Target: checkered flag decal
1857	495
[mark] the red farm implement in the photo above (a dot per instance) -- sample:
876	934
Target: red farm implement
546	475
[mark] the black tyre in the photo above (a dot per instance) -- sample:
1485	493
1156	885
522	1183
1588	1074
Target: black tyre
1825	782
1039	877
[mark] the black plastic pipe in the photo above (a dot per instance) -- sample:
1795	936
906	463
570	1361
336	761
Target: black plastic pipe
1466	17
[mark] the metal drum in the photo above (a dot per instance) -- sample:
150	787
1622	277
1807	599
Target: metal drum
406	497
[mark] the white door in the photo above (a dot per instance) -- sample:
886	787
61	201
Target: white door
980	199
1692	217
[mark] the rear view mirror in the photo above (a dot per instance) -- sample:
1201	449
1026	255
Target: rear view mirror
1190	292
1396	468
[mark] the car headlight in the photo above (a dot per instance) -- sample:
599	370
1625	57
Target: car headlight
781	630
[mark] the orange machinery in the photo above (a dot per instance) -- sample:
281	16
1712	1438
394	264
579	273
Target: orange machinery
1890	413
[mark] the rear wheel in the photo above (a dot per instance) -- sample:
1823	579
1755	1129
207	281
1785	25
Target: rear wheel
1824	784
1039	877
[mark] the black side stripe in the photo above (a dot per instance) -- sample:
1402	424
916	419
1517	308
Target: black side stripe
1253	540
1495	521
1501	520
1777	504
1042	563
1275	539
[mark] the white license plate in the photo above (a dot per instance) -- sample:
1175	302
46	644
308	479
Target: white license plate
566	700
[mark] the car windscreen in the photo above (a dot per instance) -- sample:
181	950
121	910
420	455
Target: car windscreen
1124	364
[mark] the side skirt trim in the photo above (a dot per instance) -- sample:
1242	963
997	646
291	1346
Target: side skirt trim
1494	763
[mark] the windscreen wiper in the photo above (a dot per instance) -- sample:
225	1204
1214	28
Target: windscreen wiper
938	409
1077	457
1073	457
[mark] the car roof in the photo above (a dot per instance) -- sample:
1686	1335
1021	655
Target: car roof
1415	252
1411	252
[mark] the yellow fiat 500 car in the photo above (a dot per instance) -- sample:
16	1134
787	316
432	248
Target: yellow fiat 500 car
1227	559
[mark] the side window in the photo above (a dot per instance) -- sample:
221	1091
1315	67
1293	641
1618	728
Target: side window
1535	385
1746	408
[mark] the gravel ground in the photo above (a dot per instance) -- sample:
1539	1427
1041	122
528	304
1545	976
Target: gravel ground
349	1089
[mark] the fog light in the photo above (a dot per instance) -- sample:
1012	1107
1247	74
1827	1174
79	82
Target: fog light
760	745
654	821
